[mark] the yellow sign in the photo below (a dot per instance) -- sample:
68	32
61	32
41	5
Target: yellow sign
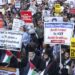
72	48
57	8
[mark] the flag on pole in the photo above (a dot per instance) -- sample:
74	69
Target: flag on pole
7	57
31	70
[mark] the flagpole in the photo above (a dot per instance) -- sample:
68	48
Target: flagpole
60	59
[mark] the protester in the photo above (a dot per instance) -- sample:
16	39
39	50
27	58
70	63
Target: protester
36	56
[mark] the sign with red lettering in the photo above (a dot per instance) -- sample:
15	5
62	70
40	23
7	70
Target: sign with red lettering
72	10
58	33
26	16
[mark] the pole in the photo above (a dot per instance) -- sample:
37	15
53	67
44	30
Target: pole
60	60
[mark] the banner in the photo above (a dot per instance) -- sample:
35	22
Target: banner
58	33
53	19
26	16
72	48
17	23
10	40
8	71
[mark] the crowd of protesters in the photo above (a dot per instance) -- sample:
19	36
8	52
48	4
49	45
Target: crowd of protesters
45	57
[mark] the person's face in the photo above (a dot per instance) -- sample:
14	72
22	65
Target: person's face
65	19
45	56
62	51
31	55
21	28
67	55
40	23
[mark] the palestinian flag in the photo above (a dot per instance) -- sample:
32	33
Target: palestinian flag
31	70
7	57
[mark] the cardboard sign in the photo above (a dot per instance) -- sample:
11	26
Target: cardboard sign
57	8
58	33
8	71
26	16
10	40
72	48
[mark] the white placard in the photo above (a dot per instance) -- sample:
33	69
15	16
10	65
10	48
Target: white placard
39	1
10	40
32	9
2	2
17	4
58	33
17	23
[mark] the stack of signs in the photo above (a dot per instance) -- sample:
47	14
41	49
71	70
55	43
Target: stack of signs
10	40
58	33
72	48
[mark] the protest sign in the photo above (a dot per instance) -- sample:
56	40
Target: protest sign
26	16
57	8
32	9
2	2
72	11
17	4
53	19
10	40
46	13
58	33
39	1
11	1
70	2
8	71
72	48
17	23
1	23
